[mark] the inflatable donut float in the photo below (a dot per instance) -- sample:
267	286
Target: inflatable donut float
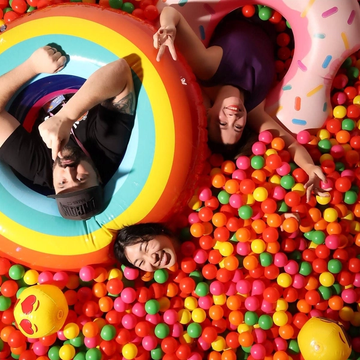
325	34
164	157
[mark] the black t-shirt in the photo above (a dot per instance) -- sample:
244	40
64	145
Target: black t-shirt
104	133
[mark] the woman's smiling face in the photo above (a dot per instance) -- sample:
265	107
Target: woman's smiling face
157	253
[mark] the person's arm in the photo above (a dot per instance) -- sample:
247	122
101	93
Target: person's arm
174	28
260	121
110	85
43	60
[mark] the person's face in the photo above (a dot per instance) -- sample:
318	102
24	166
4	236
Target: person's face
73	171
158	253
226	121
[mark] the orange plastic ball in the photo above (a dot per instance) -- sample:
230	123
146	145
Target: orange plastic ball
246	339
218	181
219	219
278	143
243	235
232	186
274	220
250	262
290	225
197	230
228	167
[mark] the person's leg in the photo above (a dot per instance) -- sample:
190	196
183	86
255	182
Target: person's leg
8	124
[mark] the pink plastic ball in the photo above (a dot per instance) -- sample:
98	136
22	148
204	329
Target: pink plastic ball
258	148
339	98
195	356
235	201
193	218
91	342
356	281
239	174
149	342
280	259
39	349
203	344
45	277
128	295
316	313
292	267
217	288
243	286
284	169
177	330
299	281
120	305
131	274
258	351
61	278
243	249
205	302
266	137
243	162
259	335
349	173
204	194
170	316
200	256
252	303
329	184
279	193
280	344
231	289
303	137
60	335
337	151
332	241
258	287
153	319
349	296
87	273
238	275
267	307
129	321
138	310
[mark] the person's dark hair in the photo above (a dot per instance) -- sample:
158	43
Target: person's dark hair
233	151
135	234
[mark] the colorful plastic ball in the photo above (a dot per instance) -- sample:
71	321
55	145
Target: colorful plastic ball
31	277
161	331
303	137
71	330
323	338
129	351
245	212
16	272
67	352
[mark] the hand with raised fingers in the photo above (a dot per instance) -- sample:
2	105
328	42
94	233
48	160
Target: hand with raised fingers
313	185
47	59
164	38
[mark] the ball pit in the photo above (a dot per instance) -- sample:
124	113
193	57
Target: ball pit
238	292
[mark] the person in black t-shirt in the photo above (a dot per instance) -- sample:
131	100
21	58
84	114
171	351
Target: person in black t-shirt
75	162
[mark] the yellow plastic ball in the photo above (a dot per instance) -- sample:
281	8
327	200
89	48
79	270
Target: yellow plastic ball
226	248
323	134
129	351
339	112
260	194
355	227
280	318
67	352
250	199
327	279
195	203
243	328
31	277
330	215
219	344
281	305
299	188
284	280
269	152
356	100
185	338
275	179
198	315
323	339
71	330
258	246
219	299
184	316
346	313
115	273
190	303
323	200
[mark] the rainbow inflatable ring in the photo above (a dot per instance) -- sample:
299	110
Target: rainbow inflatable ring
165	152
167	147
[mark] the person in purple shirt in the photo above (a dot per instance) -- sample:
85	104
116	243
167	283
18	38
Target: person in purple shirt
236	72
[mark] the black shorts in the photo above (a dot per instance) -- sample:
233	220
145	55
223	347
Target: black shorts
105	135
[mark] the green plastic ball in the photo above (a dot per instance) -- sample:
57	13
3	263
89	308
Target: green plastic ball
350	197
334	266
251	318
287	182
157	353
348	124
16	272
325	292
265	13
294	347
324	145
80	356
128	7
161	331
116	4
318	237
161	276
194	330
5	303
265	322
108	332
78	341
266	259
257	162
245	212
53	353
305	268
223	197
93	354
152	307
202	289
